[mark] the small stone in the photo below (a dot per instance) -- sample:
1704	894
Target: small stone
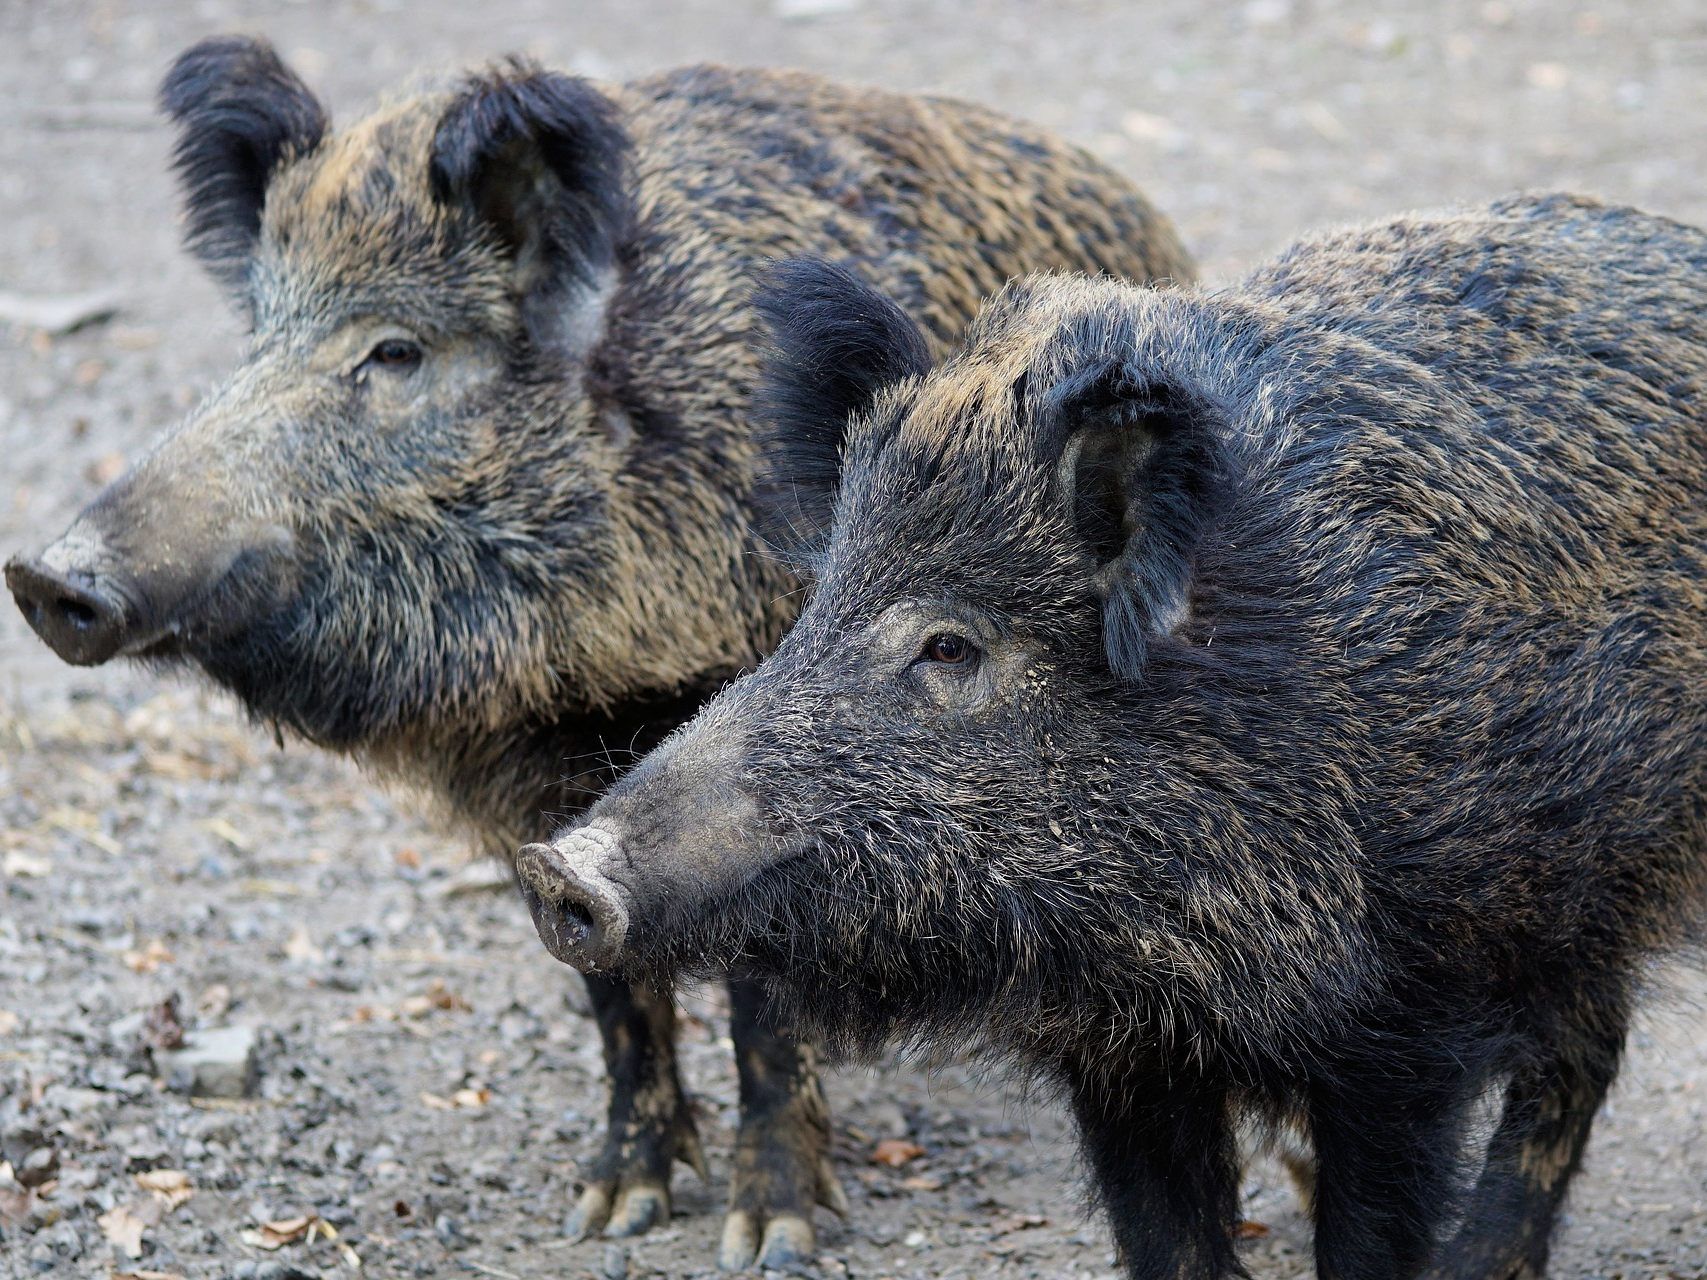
614	1266
216	1063
449	1233
806	10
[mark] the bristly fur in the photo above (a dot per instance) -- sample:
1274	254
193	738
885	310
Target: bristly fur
835	343
503	564
1381	787
240	114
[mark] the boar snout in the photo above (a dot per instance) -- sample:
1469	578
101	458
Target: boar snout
161	553
580	913
83	616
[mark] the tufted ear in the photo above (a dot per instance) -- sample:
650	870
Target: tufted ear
835	344
240	112
539	158
1143	472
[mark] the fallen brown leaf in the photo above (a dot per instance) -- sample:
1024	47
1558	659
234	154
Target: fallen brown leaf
16	1201
163	1028
124	1224
437	996
1251	1230
173	1186
150	958
467	1099
272	1236
896	1152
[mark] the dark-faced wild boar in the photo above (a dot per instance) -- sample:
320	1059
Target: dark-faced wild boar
475	504
1285	702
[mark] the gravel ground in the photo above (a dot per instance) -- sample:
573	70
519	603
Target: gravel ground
427	1079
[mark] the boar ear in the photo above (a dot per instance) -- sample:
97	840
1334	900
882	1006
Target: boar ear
539	158
240	112
835	343
1143	471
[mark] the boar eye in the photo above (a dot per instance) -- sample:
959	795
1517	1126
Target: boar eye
948	650
397	354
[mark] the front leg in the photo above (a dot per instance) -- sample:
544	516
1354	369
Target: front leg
782	1154
649	1126
1166	1170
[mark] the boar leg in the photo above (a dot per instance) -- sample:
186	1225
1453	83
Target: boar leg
1387	1145
782	1154
1544	1126
1166	1169
649	1125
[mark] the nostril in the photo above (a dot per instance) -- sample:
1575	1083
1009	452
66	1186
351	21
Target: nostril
77	613
577	923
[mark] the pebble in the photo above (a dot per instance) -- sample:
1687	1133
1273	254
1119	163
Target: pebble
216	1063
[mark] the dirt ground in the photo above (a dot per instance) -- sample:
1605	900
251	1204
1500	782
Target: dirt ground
428	1079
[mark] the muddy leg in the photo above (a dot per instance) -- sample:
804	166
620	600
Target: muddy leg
1544	1126
782	1154
1167	1173
649	1125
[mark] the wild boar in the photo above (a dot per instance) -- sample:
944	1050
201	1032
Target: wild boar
1283	702
475	505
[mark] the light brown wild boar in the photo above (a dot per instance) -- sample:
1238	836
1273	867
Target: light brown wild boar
474	505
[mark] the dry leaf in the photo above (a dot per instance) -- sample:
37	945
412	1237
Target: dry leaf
147	1275
896	1152
150	958
470	1098
124	1224
163	1028
171	1185
1250	1229
438	996
408	858
16	1202
276	1235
